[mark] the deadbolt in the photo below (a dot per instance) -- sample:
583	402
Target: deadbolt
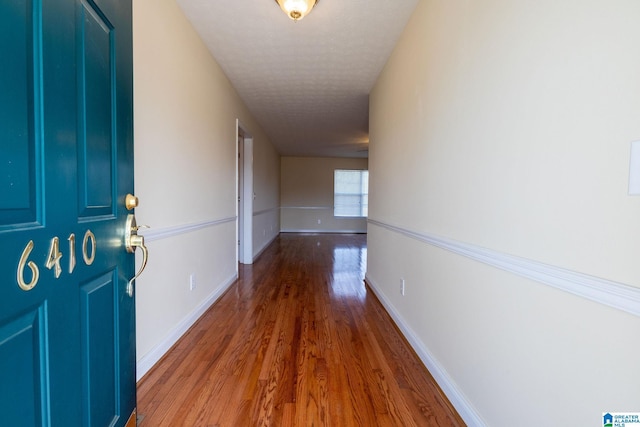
130	202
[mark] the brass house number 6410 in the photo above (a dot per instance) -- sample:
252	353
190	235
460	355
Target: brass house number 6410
54	257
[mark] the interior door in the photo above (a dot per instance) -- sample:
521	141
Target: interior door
67	338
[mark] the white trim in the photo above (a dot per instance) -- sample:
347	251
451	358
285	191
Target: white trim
146	362
264	211
239	188
463	406
307	207
153	234
341	231
613	294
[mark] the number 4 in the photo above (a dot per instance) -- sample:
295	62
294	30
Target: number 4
53	260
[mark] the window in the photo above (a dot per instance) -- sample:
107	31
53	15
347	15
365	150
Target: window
351	193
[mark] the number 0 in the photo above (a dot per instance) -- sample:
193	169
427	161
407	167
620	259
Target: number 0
88	259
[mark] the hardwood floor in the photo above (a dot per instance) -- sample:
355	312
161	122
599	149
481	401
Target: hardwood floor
298	340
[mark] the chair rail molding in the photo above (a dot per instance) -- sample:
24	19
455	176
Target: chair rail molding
152	234
613	294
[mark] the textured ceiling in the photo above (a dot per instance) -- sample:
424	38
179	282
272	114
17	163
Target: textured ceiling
307	83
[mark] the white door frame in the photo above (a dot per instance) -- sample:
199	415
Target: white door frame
244	192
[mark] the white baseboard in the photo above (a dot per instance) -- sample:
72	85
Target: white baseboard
146	362
456	397
265	246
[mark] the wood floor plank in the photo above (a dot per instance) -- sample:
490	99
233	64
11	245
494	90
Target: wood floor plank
298	340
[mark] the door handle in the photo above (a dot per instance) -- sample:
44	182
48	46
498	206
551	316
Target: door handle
132	241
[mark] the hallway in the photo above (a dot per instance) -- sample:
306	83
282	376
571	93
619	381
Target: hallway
298	340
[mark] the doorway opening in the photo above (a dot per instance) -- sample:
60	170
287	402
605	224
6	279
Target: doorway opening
244	191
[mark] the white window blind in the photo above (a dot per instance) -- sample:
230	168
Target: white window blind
351	193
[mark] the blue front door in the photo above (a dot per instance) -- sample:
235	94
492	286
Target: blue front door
67	338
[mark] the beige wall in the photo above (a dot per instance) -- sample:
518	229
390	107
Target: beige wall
185	159
509	124
307	195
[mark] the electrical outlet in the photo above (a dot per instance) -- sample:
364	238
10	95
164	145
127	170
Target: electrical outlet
634	169
402	287
192	281
319	221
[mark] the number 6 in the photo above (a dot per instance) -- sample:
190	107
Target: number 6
35	273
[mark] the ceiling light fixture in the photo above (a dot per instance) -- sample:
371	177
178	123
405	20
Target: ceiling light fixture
297	9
